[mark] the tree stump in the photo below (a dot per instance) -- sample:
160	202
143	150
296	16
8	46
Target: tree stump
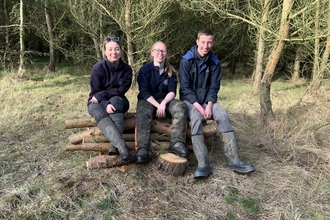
172	164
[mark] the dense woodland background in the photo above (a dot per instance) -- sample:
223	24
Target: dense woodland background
287	38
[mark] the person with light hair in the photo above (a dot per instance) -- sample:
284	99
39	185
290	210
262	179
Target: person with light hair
157	90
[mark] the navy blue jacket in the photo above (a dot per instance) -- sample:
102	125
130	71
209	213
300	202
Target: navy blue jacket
108	80
199	78
153	84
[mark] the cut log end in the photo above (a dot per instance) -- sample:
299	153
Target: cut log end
172	164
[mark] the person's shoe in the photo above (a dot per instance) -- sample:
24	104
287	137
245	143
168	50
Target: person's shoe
203	172
179	149
240	167
113	151
142	155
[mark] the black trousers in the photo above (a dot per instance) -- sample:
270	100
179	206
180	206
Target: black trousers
98	112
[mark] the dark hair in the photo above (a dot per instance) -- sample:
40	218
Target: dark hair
205	31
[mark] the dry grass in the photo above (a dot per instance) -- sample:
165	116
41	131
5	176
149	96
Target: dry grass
40	180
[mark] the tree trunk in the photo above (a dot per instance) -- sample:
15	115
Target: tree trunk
319	77
265	101
260	50
130	58
296	66
232	65
98	49
51	64
7	42
21	68
316	67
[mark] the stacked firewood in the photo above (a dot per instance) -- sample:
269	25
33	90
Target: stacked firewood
92	139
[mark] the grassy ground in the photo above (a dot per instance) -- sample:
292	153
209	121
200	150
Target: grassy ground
40	180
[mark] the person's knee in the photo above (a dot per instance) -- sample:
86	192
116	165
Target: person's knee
97	112
120	103
179	108
144	110
196	127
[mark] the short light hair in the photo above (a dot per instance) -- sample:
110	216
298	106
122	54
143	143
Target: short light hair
205	31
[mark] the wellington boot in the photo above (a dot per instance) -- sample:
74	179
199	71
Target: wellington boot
110	131
142	155
179	149
200	149
230	150
118	119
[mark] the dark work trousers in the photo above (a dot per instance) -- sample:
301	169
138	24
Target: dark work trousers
219	115
98	112
146	112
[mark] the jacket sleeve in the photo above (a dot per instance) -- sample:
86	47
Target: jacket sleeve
143	82
212	94
96	83
186	82
173	83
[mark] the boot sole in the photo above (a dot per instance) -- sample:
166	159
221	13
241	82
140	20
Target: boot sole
180	155
248	170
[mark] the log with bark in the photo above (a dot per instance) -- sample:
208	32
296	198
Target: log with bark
92	139
162	128
154	145
106	161
127	137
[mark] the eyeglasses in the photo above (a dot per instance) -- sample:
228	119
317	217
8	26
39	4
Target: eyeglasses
108	39
160	51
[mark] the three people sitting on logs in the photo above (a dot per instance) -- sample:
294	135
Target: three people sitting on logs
199	75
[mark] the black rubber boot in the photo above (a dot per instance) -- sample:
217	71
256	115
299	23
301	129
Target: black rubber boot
142	155
204	169
179	149
111	132
118	119
230	150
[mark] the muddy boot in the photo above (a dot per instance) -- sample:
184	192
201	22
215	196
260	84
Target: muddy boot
179	149
111	132
204	169
230	151
142	155
118	119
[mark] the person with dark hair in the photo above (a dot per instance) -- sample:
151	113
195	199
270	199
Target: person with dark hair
157	88
110	79
200	76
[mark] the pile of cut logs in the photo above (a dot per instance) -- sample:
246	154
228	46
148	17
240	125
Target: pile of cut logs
92	139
